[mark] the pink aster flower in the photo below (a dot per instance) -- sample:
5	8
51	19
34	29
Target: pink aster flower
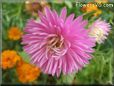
58	43
99	30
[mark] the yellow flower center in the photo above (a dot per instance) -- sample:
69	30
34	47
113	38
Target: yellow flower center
98	33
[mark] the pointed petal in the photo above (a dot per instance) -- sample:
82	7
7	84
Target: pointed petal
63	13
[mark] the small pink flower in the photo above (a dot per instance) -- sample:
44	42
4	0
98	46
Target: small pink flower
99	30
58	43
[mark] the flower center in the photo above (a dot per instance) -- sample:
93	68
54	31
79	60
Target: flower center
98	33
55	42
55	46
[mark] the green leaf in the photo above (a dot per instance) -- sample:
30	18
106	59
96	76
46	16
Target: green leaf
68	3
25	56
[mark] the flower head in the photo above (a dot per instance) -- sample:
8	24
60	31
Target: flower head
90	7
58	43
27	72
14	33
99	30
9	59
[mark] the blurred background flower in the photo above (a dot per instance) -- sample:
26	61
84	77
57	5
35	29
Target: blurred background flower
14	33
32	7
27	72
101	1
9	59
99	30
91	7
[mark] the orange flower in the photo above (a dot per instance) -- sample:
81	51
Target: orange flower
90	7
101	1
14	33
9	59
97	13
27	72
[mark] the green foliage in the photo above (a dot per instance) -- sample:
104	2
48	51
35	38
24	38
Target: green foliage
66	79
25	56
100	68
